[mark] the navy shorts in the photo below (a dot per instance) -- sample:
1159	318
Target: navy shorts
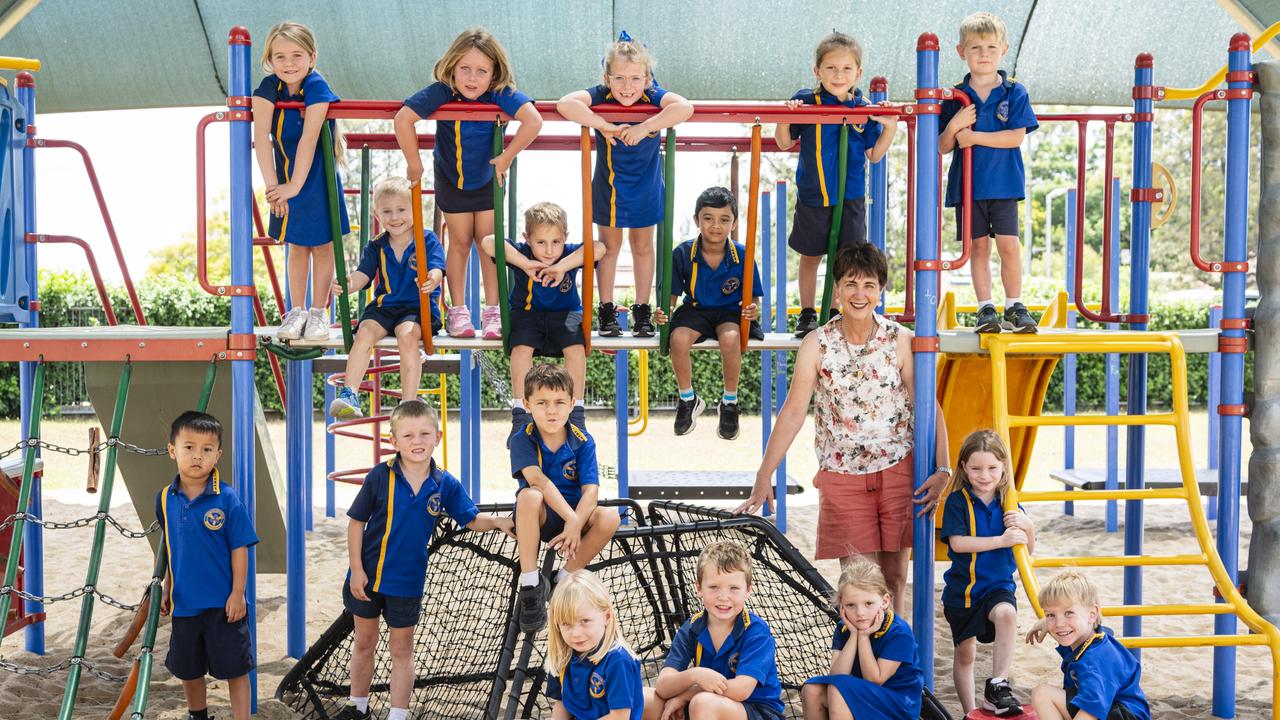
548	332
552	526
759	711
704	321
811	226
390	316
206	644
1117	711
399	612
990	218
972	622
452	200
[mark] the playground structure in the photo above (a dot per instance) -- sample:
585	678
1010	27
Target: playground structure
991	358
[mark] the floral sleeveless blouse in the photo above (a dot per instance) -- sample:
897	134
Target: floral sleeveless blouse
863	415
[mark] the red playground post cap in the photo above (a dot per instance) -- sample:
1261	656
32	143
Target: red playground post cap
1241	41
879	84
239	35
926	41
26	79
1144	60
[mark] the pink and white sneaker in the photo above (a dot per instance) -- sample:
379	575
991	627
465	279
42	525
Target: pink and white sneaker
458	323
491	322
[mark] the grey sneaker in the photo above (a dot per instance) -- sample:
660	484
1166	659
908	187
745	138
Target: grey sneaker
346	405
317	327
292	323
988	320
1018	320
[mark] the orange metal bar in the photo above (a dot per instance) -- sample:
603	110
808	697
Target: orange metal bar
753	218
420	254
588	241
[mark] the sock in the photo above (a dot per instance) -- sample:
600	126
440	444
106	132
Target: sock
198	714
729	398
985	303
996	680
361	703
398	714
686	394
529	579
561	574
579	406
808	310
518	404
1008	302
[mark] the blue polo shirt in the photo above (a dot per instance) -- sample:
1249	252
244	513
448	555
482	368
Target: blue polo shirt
199	535
973	575
464	147
818	171
748	650
1102	674
399	523
717	288
893	641
569	468
589	690
529	294
997	172
627	189
394	280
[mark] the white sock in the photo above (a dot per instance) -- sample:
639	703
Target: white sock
985	303
1008	302
518	403
995	680
361	703
561	575
529	579
398	714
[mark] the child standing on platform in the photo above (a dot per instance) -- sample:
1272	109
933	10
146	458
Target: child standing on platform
837	67
627	187
591	672
475	69
978	597
286	143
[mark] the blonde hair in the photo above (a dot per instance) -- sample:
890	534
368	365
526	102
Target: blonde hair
546	213
983	440
476	38
726	556
983	23
837	41
1070	587
296	33
414	408
861	575
580	588
628	51
392	186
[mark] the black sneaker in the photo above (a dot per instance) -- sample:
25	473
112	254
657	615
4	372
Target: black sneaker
1018	320
531	605
607	320
988	320
349	712
687	412
807	322
641	320
755	332
728	427
998	698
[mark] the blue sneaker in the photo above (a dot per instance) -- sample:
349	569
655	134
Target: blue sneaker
346	406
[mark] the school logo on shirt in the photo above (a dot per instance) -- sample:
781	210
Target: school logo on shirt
433	504
566	285
596	686
570	470
730	286
214	519
859	128
733	663
1002	111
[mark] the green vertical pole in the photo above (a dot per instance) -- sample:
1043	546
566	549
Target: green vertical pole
500	243
24	492
833	237
335	232
366	203
668	231
95	554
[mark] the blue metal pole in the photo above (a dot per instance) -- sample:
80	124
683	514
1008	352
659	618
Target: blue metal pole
1069	360
878	180
33	543
330	447
1139	260
1211	407
925	361
243	390
766	357
1112	362
472	366
1239	64
780	358
622	406
297	434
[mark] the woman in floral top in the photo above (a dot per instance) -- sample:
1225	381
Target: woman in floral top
860	364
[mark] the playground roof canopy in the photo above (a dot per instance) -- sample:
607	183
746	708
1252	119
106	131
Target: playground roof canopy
161	53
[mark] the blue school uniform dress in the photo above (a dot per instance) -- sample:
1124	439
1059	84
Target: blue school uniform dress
627	189
592	690
998	173
569	467
900	696
749	650
1103	679
394	281
711	296
976	582
547	319
307	222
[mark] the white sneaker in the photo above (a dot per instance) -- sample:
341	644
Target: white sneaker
291	325
317	328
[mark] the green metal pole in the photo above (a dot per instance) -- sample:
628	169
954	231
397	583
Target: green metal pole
500	243
366	203
335	233
206	391
24	492
833	237
668	231
95	554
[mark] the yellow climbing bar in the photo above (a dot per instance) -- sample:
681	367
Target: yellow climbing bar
1218	77
1090	420
637	425
19	63
1081	495
1119	560
1165	610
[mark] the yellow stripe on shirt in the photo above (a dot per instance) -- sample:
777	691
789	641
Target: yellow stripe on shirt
164	513
284	225
386	533
528	301
385	285
457	144
817	153
693	276
613	189
973	556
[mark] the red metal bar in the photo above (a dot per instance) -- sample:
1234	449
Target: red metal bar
966	184
1197	148
909	303
267	242
271	357
106	219
202	262
93	266
1105	314
571	143
60	349
1088	117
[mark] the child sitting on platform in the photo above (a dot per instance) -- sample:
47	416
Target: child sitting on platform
708	272
390	263
591	672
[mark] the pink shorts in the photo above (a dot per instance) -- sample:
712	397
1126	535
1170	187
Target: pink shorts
863	514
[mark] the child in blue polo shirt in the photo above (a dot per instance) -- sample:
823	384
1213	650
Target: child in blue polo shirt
207	534
475	69
627	188
1100	678
591	672
390	263
554	461
546	309
391	522
978	599
994	124
708	272
837	67
722	662
875	665
285	144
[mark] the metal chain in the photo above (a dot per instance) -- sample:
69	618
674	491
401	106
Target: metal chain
16	447
489	370
104	445
51	669
72	595
82	522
